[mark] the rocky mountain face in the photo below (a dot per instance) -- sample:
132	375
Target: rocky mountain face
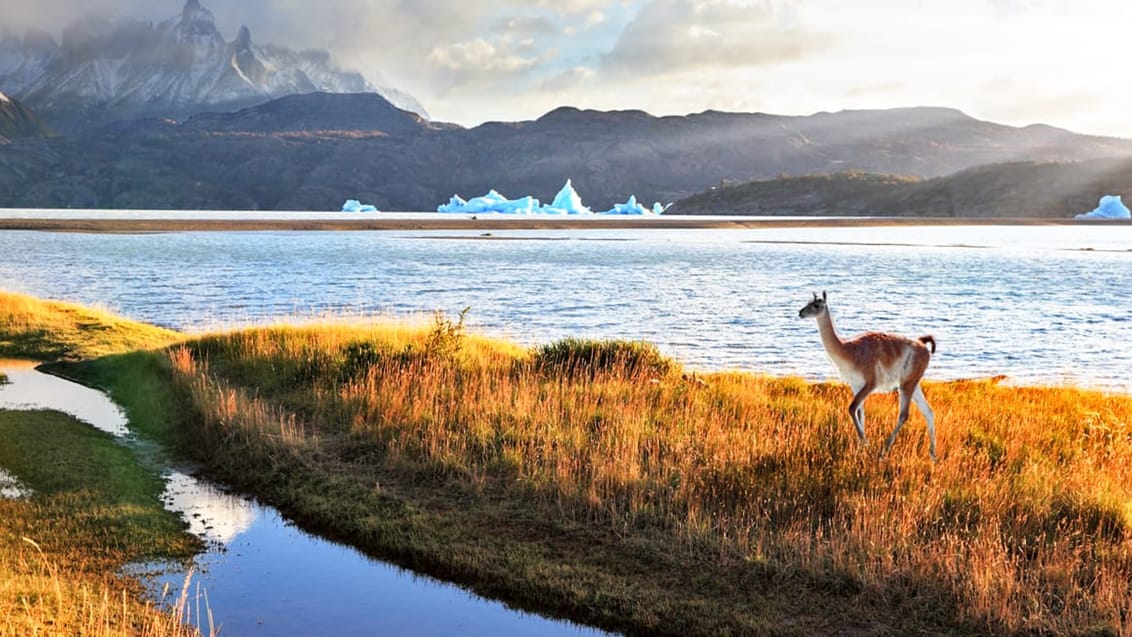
103	70
311	152
17	121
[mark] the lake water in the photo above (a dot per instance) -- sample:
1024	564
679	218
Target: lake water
264	576
1040	304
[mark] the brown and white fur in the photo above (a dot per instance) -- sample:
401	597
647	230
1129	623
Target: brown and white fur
877	362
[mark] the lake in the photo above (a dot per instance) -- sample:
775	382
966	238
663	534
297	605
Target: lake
1040	304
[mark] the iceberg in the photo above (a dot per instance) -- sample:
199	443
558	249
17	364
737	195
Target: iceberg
455	204
631	207
1109	207
491	202
353	205
566	202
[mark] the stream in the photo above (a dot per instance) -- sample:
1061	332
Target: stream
261	575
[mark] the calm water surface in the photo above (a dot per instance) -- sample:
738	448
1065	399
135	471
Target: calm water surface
1047	305
262	575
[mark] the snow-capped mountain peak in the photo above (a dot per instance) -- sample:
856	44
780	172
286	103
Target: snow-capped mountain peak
105	70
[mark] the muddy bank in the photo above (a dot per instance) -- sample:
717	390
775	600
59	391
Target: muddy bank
489	223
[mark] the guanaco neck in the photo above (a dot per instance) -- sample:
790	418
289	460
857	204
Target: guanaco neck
829	338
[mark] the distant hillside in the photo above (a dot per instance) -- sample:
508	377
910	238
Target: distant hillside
313	151
1015	189
315	113
16	121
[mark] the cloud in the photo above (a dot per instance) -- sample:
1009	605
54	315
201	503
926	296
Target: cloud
54	15
478	61
475	60
526	25
673	36
565	82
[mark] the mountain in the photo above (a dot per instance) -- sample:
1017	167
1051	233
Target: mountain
1011	189
103	70
316	113
613	154
16	121
311	152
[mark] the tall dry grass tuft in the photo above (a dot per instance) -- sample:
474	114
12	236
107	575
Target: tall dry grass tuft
84	606
1025	523
230	412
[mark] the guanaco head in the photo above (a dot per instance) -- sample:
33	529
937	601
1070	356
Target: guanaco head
815	307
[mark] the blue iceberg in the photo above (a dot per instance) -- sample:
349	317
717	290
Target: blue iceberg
1110	207
491	202
566	202
631	207
353	205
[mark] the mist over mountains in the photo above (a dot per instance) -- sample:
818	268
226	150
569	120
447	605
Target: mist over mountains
130	114
105	70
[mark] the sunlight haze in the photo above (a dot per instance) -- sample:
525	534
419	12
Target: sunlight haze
1015	62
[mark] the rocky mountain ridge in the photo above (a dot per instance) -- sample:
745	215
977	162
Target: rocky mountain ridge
104	70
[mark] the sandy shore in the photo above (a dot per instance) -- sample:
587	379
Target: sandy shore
490	223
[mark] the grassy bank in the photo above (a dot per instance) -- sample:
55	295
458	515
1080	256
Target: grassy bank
598	481
49	330
92	510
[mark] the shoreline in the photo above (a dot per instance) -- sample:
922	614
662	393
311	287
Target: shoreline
489	222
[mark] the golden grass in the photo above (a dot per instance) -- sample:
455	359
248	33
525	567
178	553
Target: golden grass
49	330
40	596
1025	523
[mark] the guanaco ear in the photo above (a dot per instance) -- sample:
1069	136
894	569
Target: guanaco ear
823	297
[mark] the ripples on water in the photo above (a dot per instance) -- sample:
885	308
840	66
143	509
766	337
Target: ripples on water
1046	305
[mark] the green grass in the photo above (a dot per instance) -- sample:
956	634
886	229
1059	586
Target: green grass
139	383
92	510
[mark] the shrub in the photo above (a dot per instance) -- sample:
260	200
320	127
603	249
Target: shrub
443	343
576	356
446	338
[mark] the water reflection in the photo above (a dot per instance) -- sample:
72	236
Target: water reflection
274	579
263	576
30	389
214	515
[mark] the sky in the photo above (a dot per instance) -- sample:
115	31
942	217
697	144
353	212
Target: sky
1017	62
